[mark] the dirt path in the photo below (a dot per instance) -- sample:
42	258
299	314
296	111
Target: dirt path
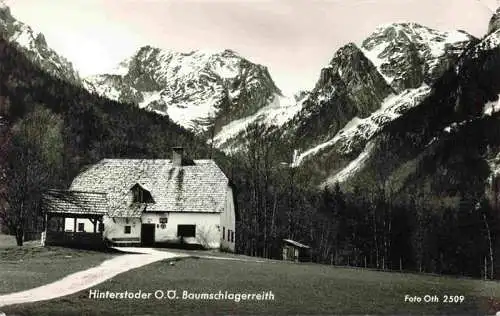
82	280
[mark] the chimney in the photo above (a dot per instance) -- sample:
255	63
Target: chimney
177	155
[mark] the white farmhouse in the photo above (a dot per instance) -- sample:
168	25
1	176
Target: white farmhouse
153	202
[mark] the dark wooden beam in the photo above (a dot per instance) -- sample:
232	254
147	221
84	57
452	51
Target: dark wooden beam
76	215
94	222
61	224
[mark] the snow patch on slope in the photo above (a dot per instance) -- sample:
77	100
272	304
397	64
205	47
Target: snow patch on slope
494	165
149	97
187	113
359	129
97	85
24	37
491	107
353	167
376	57
277	113
489	42
453	127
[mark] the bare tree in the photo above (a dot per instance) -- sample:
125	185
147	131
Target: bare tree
33	156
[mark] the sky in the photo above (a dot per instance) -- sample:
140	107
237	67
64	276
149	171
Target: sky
293	38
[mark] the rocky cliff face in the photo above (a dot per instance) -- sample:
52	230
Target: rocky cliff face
494	23
34	46
409	54
449	142
198	90
350	86
442	137
363	89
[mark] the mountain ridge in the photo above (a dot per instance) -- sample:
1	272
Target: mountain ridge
34	45
219	94
340	131
192	87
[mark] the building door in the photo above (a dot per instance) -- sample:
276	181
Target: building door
148	234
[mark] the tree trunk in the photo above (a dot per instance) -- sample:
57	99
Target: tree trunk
377	262
20	225
19	235
485	269
490	246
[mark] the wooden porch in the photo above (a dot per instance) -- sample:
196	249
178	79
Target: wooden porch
55	234
64	206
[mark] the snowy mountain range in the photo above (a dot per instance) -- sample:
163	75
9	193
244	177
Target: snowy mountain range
397	62
364	91
365	88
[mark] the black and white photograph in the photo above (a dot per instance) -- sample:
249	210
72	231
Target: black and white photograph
249	157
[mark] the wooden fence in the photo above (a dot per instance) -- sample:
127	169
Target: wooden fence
75	240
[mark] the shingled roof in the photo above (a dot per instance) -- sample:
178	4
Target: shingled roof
194	188
75	202
295	243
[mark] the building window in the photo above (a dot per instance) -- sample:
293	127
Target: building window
141	195
128	229
223	233
232	236
163	220
186	230
81	227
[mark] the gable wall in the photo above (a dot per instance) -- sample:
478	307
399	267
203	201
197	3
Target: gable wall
228	222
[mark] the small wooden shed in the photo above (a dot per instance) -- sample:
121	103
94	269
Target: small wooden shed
295	251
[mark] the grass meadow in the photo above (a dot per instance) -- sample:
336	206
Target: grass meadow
297	289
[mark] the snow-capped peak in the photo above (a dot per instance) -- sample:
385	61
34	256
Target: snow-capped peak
168	63
189	87
400	49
